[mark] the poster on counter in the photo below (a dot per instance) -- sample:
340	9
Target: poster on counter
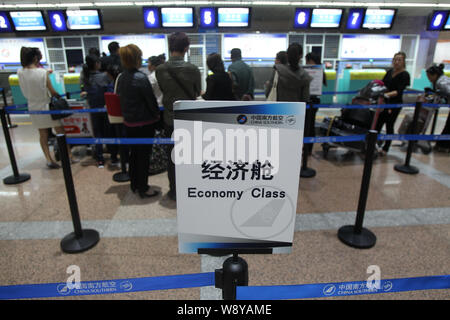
237	173
316	72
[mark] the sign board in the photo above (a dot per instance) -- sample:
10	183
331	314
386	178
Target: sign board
28	20
150	44
10	49
237	173
316	72
78	125
254	46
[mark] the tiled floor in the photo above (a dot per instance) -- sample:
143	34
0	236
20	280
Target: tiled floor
409	214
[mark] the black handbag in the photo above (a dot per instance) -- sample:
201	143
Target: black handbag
58	103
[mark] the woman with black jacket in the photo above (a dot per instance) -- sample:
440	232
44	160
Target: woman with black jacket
219	85
140	113
396	80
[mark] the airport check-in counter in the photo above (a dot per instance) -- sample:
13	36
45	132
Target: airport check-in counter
17	95
355	80
72	84
330	87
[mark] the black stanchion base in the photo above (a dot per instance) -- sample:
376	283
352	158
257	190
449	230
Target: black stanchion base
72	244
307	172
406	169
121	177
15	180
365	240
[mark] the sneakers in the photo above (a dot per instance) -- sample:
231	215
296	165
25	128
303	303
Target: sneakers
100	164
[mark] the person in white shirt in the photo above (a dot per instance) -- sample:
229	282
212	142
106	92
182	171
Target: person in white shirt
153	62
37	88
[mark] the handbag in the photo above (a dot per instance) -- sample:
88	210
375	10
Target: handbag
273	91
112	102
58	103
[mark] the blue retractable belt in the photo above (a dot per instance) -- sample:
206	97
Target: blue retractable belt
324	290
28	291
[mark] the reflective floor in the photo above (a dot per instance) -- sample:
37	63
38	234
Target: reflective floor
409	214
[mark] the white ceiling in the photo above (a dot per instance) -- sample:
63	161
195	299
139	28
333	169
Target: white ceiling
406	7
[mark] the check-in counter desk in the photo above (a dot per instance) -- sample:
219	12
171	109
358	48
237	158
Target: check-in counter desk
330	87
355	80
72	84
422	82
17	95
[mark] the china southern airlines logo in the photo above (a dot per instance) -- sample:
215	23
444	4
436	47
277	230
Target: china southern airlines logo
241	119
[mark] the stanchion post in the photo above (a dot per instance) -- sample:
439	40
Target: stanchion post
5	104
356	236
234	273
306	172
16	177
80	240
406	167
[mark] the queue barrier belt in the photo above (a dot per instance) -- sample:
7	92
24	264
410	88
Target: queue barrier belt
279	292
47	290
324	290
19	109
330	139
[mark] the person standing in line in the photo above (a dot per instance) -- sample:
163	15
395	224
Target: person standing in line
396	80
95	84
153	62
218	84
281	57
37	88
293	80
113	58
313	59
242	76
140	113
178	80
441	85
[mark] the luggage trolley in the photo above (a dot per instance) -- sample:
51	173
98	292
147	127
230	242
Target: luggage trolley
354	121
423	121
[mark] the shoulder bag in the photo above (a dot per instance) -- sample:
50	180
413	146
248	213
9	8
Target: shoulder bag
273	91
58	103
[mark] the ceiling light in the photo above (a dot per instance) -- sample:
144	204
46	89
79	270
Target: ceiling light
113	4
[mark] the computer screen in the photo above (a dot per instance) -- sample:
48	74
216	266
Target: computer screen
150	44
177	17
84	19
5	23
152	17
302	18
74	57
359	46
326	18
254	46
447	24
10	49
28	20
437	20
355	18
208	18
57	20
233	17
379	18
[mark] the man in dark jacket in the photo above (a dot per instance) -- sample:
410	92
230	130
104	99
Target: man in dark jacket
242	76
178	80
113	58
